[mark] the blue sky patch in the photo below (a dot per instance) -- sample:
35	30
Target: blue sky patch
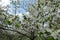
22	6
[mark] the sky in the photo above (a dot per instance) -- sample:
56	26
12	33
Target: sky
23	4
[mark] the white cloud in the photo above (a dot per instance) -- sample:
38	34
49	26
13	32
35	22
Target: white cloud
5	2
20	16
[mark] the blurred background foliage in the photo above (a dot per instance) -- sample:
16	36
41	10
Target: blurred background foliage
41	22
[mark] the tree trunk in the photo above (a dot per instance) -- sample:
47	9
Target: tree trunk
32	35
32	39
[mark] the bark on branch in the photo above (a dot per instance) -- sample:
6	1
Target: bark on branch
14	31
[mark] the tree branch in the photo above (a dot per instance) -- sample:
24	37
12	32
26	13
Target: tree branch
14	31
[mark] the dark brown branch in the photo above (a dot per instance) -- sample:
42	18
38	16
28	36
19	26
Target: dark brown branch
26	30
14	31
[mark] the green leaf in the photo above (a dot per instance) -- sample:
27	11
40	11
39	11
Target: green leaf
48	33
50	38
16	25
16	17
8	21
